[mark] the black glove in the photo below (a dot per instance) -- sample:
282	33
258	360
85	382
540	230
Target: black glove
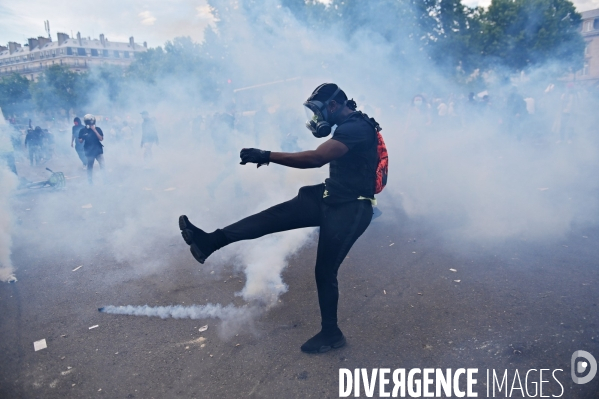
254	155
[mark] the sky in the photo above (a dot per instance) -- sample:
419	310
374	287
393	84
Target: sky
152	21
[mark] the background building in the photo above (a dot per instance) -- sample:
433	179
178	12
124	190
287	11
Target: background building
77	54
590	33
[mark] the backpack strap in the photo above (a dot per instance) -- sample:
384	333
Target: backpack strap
371	121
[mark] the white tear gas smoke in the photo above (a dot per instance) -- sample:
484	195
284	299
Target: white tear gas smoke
463	170
264	262
8	183
232	317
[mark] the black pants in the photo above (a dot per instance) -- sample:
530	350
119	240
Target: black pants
340	226
34	154
90	165
81	153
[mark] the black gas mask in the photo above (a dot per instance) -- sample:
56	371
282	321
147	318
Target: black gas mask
319	118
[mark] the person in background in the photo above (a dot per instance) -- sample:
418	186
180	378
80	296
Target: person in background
418	118
91	137
33	142
75	139
47	149
149	135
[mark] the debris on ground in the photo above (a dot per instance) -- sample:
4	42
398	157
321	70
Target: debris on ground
39	345
77	268
203	328
384	292
391	244
92	327
87	206
457	281
453	270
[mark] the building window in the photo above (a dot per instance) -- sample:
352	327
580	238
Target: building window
116	54
105	53
94	52
596	23
69	51
81	51
126	54
585	69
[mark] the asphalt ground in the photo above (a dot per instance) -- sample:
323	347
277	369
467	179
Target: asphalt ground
517	306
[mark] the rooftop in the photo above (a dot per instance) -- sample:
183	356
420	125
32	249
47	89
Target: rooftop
73	42
590	14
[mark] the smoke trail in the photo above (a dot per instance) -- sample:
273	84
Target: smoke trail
232	317
8	182
263	262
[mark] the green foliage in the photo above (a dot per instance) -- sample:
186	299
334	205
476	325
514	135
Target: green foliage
509	36
59	89
202	65
106	79
14	94
524	33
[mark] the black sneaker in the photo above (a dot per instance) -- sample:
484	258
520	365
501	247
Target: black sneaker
187	229
321	342
197	239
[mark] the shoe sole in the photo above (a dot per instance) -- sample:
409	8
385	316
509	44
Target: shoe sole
186	233
324	349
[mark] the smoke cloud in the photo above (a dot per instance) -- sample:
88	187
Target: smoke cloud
472	172
8	183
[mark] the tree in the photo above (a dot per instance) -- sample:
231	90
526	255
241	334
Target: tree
451	33
59	89
518	34
14	94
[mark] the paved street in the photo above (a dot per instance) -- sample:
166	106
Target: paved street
517	305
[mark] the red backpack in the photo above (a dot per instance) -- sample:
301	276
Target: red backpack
382	168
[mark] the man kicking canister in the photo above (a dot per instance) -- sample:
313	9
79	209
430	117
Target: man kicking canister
341	206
